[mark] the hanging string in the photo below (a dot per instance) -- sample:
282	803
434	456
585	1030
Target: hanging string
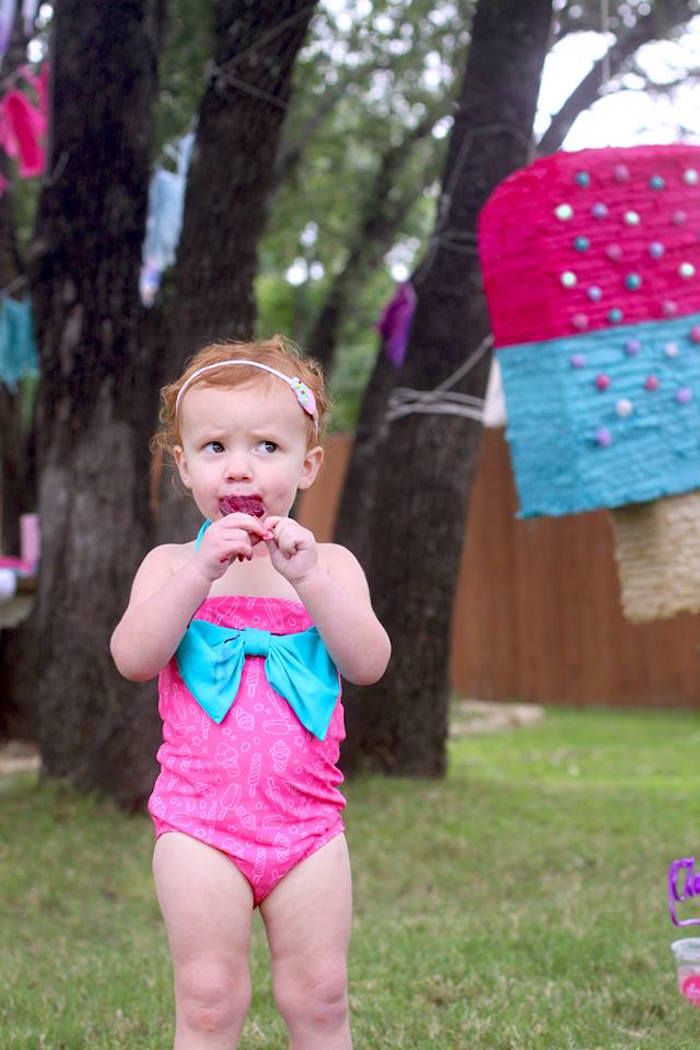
267	37
17	282
446	236
248	89
460	242
441	401
605	26
223	74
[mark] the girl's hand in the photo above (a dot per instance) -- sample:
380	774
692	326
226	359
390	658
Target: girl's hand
293	550
231	537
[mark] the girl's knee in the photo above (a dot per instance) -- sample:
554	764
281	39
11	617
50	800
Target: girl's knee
317	999
212	997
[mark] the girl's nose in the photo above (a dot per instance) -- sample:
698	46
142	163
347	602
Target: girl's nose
238	466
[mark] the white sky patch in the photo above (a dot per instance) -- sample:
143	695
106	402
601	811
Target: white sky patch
565	67
309	235
625	118
297	273
384	24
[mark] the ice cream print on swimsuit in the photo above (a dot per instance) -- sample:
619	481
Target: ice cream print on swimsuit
303	393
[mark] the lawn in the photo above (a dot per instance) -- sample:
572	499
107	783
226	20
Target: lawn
519	904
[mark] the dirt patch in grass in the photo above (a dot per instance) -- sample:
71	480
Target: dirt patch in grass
482	716
18	756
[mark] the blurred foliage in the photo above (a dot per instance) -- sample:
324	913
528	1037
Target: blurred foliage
185	63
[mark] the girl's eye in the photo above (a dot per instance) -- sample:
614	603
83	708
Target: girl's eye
268	447
213	446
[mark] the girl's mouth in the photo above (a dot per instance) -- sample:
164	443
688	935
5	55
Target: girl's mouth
242	505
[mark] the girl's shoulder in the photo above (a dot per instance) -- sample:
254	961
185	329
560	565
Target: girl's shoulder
169	555
160	563
339	561
176	554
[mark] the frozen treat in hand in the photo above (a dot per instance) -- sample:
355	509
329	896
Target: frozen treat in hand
242	505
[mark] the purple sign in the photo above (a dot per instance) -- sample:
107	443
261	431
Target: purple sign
682	874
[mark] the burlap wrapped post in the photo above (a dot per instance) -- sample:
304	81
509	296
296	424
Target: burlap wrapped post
657	549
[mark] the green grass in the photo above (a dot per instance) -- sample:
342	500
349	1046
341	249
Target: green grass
520	904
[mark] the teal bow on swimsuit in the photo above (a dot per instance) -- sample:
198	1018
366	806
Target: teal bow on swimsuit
210	659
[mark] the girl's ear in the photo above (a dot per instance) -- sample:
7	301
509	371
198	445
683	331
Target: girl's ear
311	466
181	464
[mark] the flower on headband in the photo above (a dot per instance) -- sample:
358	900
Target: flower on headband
304	395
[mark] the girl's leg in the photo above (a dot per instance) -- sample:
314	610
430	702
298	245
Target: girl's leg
207	905
308	917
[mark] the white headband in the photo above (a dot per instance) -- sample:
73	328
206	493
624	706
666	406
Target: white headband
303	393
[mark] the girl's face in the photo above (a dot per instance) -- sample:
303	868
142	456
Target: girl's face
246	441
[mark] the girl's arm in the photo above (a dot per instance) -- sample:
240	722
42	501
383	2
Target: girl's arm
337	598
334	592
163	600
167	590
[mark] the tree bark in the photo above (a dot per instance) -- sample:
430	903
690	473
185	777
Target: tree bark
230	180
428	461
96	400
353	525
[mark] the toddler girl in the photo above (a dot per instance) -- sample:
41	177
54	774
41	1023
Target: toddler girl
249	628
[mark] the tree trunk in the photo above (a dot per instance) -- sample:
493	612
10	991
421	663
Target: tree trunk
354	519
230	179
428	461
96	402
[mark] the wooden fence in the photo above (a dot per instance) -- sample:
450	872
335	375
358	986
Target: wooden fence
537	614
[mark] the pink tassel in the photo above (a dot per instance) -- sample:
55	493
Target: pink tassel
40	85
21	127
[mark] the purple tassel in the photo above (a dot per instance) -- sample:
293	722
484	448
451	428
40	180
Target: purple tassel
29	10
395	323
7	19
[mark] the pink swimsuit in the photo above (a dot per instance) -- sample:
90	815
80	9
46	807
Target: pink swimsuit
259	786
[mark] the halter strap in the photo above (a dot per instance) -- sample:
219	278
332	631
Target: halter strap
200	534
